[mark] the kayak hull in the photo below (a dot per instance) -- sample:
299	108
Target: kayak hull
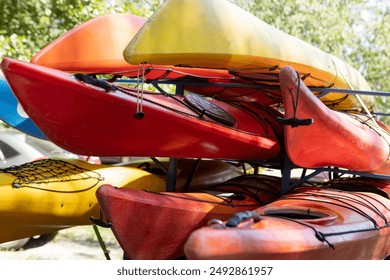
52	194
333	138
13	114
91	121
218	34
136	216
307	224
80	50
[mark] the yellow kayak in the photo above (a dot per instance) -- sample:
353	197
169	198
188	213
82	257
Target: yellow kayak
218	34
52	194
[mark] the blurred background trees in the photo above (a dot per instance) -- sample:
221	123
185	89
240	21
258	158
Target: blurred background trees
356	31
27	26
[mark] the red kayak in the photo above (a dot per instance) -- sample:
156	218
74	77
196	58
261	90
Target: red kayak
309	223
155	225
316	136
107	120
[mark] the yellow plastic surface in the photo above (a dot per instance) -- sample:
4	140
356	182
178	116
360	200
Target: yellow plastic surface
63	201
218	34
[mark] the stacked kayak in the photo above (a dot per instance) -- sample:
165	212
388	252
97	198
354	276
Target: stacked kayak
122	121
12	112
155	225
316	136
81	50
88	48
308	223
52	194
218	34
245	93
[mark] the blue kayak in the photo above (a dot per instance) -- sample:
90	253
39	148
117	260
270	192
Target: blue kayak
12	113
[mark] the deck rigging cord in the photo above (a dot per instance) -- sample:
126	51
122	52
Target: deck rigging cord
39	174
140	93
295	121
359	99
338	199
345	204
129	91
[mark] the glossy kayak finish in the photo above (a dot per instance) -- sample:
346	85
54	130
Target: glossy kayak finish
52	194
95	46
84	49
218	34
309	223
334	138
12	113
87	120
155	225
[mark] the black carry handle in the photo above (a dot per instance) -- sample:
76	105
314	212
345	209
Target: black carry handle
95	82
240	217
100	222
295	122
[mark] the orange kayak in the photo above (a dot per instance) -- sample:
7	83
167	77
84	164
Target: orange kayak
95	46
155	225
84	49
308	223
316	136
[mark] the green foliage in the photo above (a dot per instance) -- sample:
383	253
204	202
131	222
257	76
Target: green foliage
27	26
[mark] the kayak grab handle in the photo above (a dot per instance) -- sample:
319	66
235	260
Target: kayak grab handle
95	82
100	222
240	217
295	122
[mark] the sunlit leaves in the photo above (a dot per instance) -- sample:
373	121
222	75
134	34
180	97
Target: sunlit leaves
27	26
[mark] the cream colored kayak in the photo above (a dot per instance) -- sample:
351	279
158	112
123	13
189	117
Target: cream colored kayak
218	34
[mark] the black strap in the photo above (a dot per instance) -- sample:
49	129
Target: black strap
100	222
240	217
96	82
295	122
